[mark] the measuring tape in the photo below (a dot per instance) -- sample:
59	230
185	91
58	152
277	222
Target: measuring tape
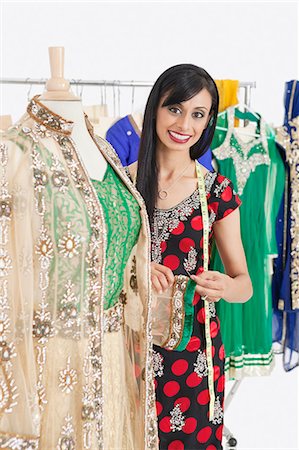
205	220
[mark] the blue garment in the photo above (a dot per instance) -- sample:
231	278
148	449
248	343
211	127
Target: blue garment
124	136
285	318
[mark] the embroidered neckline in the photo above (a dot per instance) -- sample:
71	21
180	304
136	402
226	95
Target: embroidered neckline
166	220
47	118
209	179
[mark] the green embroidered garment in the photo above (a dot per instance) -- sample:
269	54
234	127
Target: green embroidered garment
256	170
122	219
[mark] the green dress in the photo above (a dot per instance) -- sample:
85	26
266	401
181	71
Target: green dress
122	219
257	172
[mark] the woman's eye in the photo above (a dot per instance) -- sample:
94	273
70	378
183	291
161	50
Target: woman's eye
174	110
198	115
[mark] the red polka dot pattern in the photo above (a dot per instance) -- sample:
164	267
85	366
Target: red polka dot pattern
179	229
201	316
203	397
216	373
176	445
219	433
184	403
190	425
221	353
194	344
179	367
221	383
163	246
186	244
204	435
159	408
227	194
171	388
214	329
171	261
176	381
193	380
165	424
196	223
196	299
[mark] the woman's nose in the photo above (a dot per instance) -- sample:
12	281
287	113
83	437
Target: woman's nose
183	122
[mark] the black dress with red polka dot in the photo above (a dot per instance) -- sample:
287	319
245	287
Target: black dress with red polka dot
182	394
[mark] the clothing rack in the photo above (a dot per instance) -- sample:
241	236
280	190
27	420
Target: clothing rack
79	82
246	85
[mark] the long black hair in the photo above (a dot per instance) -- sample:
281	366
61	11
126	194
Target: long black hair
180	83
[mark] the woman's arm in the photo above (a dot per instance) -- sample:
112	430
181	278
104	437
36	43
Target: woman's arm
235	285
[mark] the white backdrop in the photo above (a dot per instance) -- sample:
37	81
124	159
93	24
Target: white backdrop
137	41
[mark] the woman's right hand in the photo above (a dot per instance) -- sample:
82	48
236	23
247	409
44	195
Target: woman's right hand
162	277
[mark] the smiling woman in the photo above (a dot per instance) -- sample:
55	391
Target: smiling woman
187	206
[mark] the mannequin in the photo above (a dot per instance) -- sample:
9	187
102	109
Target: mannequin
59	99
74	283
5	122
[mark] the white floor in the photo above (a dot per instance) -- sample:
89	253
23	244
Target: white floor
263	414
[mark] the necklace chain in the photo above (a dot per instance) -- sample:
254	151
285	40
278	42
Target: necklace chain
163	193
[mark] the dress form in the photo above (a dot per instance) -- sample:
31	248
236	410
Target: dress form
59	99
5	122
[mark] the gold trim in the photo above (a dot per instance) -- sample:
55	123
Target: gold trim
69	125
134	125
177	313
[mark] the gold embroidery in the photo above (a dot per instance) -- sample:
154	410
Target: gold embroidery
8	389
177	313
67	439
69	244
68	378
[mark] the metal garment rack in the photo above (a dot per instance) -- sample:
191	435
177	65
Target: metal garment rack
246	85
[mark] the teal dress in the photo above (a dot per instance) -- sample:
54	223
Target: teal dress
257	172
123	222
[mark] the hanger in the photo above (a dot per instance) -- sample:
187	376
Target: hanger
247	115
29	91
133	97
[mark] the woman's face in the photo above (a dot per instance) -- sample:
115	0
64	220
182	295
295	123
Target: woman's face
180	126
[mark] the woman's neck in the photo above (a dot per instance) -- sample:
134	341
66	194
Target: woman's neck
169	163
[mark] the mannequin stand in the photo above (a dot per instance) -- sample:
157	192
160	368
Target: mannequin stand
231	441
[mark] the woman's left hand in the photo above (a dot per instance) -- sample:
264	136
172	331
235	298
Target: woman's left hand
212	285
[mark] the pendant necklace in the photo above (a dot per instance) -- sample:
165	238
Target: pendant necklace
163	193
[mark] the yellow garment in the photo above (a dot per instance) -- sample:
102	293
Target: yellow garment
228	93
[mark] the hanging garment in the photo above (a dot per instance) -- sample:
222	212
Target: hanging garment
285	286
256	169
181	377
75	319
124	136
99	118
228	93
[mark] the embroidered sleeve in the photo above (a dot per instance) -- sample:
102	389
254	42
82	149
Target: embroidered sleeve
173	315
223	199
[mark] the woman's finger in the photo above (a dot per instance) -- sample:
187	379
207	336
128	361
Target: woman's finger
163	280
209	292
166	272
156	284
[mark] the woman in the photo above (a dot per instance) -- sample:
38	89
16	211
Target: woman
187	206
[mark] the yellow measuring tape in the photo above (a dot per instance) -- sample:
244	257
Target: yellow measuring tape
205	220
